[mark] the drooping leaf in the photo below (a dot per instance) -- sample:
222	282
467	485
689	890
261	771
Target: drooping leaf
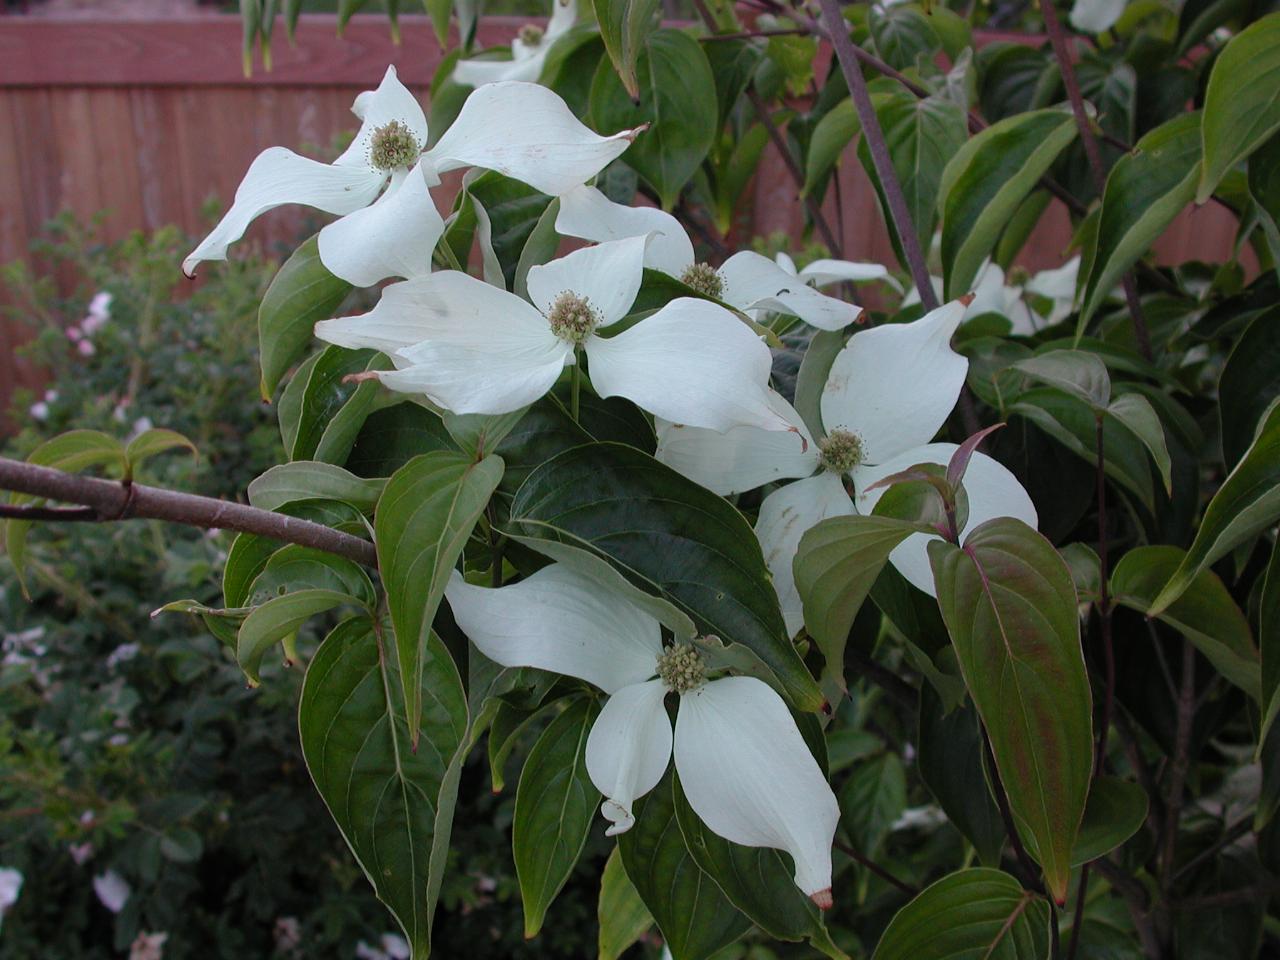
295	567
422	522
986	180
1247	502
1204	613
669	537
624	26
302	293
555	806
1010	606
1134	413
394	806
1241	109
309	480
977	913
622	915
278	619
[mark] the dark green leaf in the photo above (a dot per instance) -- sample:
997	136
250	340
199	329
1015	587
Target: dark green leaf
1114	813
278	619
1077	372
309	480
871	800
622	915
1249	383
624	26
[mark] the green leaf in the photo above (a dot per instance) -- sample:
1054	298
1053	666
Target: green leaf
985	182
1078	372
393	805
837	563
695	917
902	35
277	619
757	880
155	441
622	915
682	128
309	480
424	518
302	293
1269	735
1115	812
1145	190
1135	413
323	397
1241	109
507	212
1010	606
294	567
672	539
1247	502
542	245
392	436
833	132
555	805
871	800
812	378
976	913
1204	612
481	433
1250	381
624	27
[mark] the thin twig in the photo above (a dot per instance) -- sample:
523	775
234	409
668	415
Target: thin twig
119	501
1181	761
752	34
854	854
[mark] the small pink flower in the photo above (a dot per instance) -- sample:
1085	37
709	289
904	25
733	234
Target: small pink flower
86	348
74	334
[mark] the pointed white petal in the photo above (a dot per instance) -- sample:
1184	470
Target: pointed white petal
822	272
1057	284
490	380
478	72
692	362
587	213
785	516
755	282
608	275
896	384
740	458
913	293
564	14
377	108
278	176
784	260
628	750
749	775
394	237
526	132
992	491
988	291
559	620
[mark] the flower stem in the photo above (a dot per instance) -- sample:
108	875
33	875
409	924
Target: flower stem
575	386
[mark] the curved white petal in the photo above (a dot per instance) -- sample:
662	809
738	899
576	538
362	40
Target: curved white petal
1095	16
564	14
559	620
749	775
692	362
823	272
992	491
278	176
785	516
989	292
607	275
587	213
752	281
377	108
478	72
526	132
784	260
913	293
394	237
740	458
467	380
628	750
896	384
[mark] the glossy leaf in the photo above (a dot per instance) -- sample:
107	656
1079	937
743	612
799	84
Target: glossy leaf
1247	502
1010	606
669	537
1115	812
976	913
1077	372
984	183
394	806
1241	109
278	619
555	807
624	26
622	915
423	520
302	293
295	567
1249	383
308	480
1134	412
1204	613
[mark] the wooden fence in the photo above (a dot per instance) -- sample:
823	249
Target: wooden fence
147	120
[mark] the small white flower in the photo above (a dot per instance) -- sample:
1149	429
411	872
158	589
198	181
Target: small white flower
395	946
288	934
380	186
747	280
471	347
1095	16
112	889
50	396
122	653
148	946
81	853
529	51
992	295
10	888
39	410
920	818
889	391
743	765
87	818
98	314
140	426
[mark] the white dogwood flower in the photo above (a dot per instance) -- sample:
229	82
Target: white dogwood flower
112	889
825	272
521	130
471	347
991	294
529	50
747	280
743	765
889	391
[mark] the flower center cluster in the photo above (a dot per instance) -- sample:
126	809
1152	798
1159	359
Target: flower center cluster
572	318
393	147
530	35
840	451
681	668
705	279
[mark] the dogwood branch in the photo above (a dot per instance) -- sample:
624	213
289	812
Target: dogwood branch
111	500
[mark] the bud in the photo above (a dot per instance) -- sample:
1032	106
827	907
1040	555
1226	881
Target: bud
393	147
705	279
840	451
572	318
530	35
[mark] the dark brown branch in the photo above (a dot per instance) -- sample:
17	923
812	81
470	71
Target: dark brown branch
111	500
854	854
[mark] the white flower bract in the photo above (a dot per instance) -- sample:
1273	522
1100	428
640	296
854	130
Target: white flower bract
528	51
